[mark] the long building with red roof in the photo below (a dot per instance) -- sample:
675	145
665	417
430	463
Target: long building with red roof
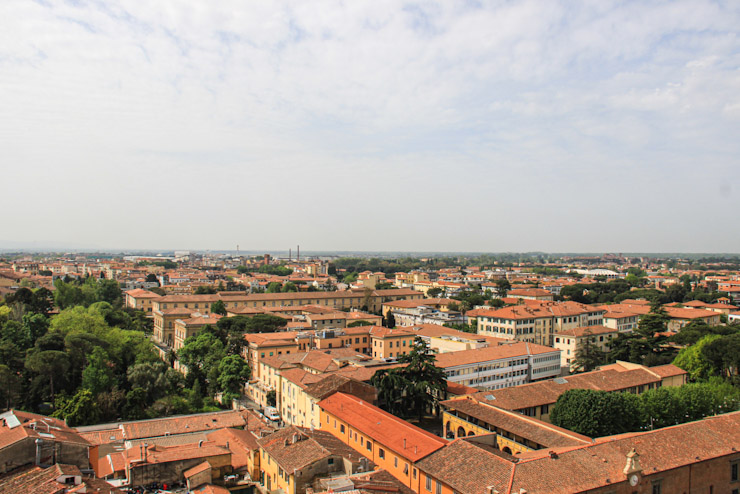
386	440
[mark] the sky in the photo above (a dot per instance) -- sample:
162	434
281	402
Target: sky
557	126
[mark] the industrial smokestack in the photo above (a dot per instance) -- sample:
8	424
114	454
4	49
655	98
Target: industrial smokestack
298	258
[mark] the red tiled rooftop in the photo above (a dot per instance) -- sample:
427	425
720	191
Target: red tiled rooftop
398	435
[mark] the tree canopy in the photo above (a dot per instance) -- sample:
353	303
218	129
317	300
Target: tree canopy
415	388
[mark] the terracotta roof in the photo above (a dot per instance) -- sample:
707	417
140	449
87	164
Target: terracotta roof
405	304
295	447
511	350
109	464
183	424
667	370
199	468
210	489
139	293
547	392
530	292
166	454
106	436
460	389
398	435
532	429
300	377
588	467
586	330
330	384
469	467
16	425
239	442
619	315
37	480
364	374
383	332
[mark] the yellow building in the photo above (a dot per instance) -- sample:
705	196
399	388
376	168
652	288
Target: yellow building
191	326
391	443
301	393
515	433
293	457
391	343
570	341
141	300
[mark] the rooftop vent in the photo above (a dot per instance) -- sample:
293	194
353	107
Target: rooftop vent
560	380
490	397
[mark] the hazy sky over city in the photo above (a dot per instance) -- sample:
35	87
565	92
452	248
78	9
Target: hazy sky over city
435	126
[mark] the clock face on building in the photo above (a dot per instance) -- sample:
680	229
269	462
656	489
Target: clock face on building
634	479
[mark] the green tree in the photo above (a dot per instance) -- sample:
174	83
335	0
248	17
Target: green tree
10	390
271	398
80	409
390	320
233	372
136	400
109	291
48	364
205	290
274	287
502	287
724	355
692	360
111	404
414	388
98	375
427	381
266	323
14	332
218	307
151	377
36	325
79	319
588	355
653	322
434	292
391	386
596	413
201	355
275	270
289	287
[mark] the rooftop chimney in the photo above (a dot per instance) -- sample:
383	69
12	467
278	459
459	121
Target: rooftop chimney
200	443
633	463
39	442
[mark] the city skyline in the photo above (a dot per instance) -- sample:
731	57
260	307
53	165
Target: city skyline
504	127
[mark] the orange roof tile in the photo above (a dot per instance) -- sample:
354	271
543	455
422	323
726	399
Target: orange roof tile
396	434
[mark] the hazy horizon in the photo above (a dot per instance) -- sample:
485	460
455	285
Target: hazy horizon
546	126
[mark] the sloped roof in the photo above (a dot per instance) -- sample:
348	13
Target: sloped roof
396	434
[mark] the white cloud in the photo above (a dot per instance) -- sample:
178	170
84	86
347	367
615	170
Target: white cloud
506	120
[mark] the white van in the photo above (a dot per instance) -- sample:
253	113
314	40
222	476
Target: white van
272	414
